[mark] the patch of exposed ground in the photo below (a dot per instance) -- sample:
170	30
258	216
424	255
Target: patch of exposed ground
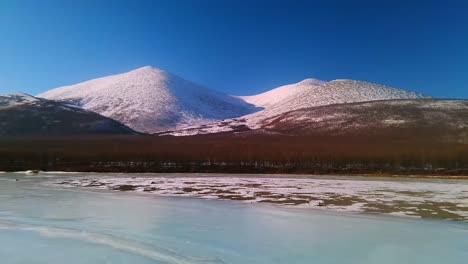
425	198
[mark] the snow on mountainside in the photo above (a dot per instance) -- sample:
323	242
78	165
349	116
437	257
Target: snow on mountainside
16	99
151	100
311	93
154	101
270	98
304	94
442	117
25	115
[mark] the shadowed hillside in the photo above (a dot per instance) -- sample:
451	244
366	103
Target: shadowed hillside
441	120
22	114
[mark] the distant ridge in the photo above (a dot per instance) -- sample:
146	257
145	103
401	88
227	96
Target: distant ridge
24	115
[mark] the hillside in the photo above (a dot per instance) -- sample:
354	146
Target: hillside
25	115
305	94
310	93
444	119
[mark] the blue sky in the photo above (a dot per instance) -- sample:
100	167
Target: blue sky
241	46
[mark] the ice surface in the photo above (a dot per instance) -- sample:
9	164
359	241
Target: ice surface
423	198
47	224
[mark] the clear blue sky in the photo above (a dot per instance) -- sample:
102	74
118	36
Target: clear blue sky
238	46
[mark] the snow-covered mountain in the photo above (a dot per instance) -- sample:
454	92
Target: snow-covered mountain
311	93
151	100
304	94
277	95
154	101
22	114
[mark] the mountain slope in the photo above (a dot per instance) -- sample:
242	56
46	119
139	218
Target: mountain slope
22	114
443	119
312	93
151	100
304	94
272	97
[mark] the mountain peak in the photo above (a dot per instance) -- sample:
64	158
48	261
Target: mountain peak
311	81
343	80
374	89
148	69
281	93
150	100
147	72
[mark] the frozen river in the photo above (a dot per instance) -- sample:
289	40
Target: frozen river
118	218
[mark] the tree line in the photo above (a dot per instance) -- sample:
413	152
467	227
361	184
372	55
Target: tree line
238	153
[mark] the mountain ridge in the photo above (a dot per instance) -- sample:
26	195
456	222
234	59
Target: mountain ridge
152	100
304	94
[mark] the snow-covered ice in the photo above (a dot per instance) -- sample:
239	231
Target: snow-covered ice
422	198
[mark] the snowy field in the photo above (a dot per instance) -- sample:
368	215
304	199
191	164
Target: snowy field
443	199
